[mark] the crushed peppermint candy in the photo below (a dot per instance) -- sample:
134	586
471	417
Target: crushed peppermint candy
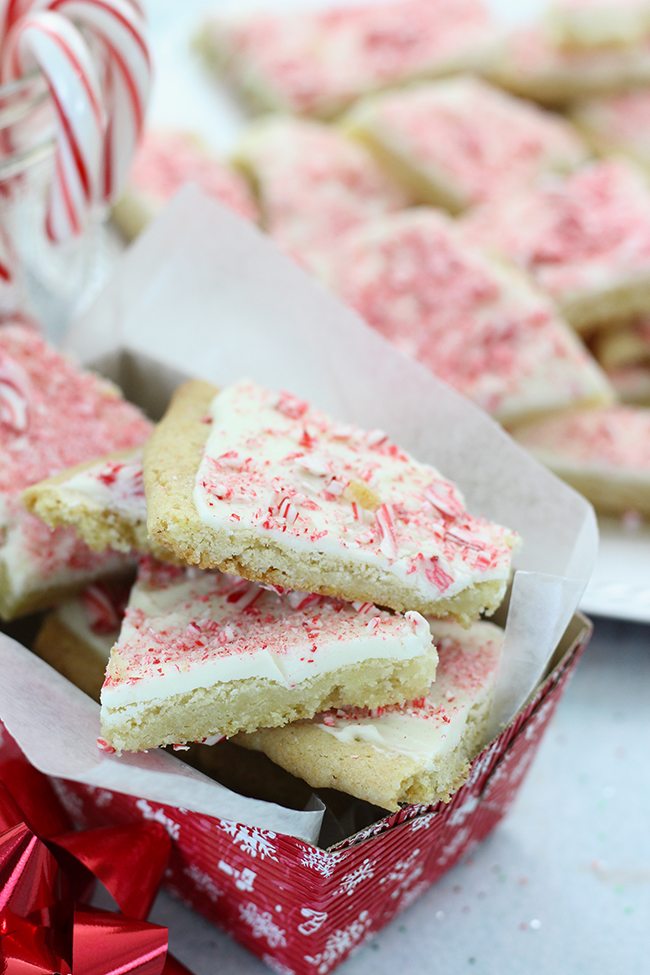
393	511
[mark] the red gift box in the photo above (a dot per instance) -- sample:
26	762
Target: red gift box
302	909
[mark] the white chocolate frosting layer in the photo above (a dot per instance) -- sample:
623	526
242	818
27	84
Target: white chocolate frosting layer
186	629
116	485
274	466
428	729
470	137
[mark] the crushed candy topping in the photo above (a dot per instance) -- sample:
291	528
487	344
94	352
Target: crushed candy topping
388	509
475	325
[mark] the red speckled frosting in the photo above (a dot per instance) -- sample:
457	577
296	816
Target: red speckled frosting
319	61
276	467
581	234
474	138
617	437
52	416
315	184
427	729
166	161
478	327
186	628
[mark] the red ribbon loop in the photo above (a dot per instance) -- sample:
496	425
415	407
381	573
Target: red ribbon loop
44	928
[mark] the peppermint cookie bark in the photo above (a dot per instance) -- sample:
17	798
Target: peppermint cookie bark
604	454
319	62
617	124
103	500
585	239
166	161
530	63
314	184
624	344
458	142
413	753
52	416
260	484
598	23
202	653
473	322
76	638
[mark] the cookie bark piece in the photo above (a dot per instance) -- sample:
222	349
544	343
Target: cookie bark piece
103	500
415	753
428	568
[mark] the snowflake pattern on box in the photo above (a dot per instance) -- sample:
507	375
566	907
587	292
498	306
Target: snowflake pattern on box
320	861
72	802
255	842
202	881
314	920
349	883
158	816
340	942
262	925
456	844
423	822
404	874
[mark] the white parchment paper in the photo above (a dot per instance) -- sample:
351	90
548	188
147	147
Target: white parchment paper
206	294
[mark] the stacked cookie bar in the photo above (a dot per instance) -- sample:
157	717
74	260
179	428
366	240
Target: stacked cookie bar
294	573
52	416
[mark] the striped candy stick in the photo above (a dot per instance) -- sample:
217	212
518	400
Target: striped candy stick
118	29
50	42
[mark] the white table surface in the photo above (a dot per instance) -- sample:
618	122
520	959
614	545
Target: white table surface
563	885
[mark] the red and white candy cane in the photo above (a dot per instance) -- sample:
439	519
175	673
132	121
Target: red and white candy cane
6	267
95	60
118	27
51	42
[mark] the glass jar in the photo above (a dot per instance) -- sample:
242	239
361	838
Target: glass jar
46	279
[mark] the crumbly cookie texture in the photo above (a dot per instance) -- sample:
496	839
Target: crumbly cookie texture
42	396
598	24
260	484
618	123
201	653
164	162
313	183
76	637
604	454
319	62
457	142
103	500
585	238
471	320
413	753
529	63
624	344
631	384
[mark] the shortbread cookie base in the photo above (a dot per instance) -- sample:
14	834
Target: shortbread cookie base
562	85
385	778
131	213
171	460
257	93
100	528
599	308
255	703
70	655
421	187
611	492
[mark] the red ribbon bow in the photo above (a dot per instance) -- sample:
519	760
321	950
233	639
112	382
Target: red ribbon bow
48	874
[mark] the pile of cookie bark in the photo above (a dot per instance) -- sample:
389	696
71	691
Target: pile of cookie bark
479	195
302	587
